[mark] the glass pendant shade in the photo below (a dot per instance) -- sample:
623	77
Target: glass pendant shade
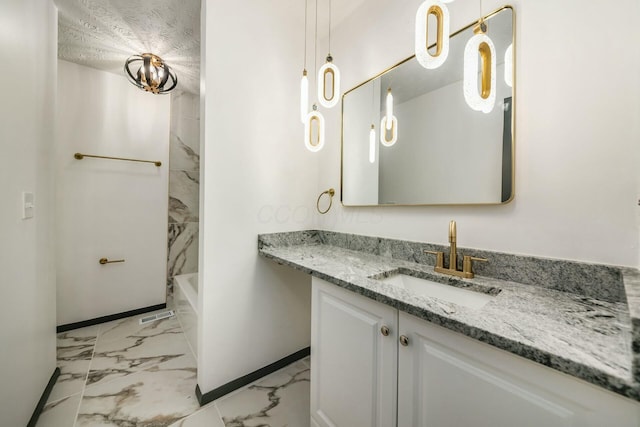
389	123
314	131
328	84
372	144
508	66
304	96
152	74
389	137
480	52
440	12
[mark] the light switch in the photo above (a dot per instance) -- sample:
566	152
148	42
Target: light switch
28	205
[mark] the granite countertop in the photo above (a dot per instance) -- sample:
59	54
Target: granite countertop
597	340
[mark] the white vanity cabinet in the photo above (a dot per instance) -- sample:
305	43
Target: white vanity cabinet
446	379
353	362
360	377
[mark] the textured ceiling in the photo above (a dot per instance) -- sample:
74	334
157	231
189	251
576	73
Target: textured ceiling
102	34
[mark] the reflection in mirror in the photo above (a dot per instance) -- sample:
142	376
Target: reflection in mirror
444	152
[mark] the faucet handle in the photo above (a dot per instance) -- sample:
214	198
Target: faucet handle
439	257
467	264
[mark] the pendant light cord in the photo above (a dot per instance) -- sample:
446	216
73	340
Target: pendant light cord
329	27
315	46
305	36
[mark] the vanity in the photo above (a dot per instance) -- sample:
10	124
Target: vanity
414	334
527	342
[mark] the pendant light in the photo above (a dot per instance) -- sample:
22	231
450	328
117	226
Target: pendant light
372	144
386	140
508	66
153	74
314	130
389	123
440	12
328	71
314	120
304	82
389	115
480	45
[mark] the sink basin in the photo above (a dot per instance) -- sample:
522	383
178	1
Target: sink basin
428	288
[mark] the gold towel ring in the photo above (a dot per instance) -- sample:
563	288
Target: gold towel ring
331	192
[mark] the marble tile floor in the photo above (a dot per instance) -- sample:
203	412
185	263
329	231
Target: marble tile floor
125	374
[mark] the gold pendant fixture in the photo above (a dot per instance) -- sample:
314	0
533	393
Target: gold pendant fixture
480	58
440	12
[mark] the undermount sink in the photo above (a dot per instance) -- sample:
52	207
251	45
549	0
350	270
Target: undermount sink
428	288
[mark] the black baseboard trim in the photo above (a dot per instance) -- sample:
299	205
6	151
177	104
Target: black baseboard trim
43	399
109	318
227	388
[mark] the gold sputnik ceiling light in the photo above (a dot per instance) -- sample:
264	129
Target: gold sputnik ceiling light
150	73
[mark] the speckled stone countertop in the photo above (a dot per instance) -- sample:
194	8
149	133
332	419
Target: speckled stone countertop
585	329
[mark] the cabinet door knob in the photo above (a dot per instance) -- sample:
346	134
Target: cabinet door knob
385	331
404	340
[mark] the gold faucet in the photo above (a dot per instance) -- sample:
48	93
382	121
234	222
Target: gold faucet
467	261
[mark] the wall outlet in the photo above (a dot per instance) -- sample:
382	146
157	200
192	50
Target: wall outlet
28	205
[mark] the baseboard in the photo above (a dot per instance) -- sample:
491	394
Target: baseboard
227	388
43	399
109	318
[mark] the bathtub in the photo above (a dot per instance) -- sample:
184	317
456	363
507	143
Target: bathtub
185	294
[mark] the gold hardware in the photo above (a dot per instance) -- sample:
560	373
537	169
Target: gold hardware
467	261
310	136
104	261
331	192
333	83
385	131
485	56
404	340
80	156
439	257
513	125
436	11
385	331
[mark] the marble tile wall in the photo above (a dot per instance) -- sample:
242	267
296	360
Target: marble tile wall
184	186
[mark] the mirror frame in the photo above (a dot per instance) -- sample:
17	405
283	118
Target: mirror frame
513	115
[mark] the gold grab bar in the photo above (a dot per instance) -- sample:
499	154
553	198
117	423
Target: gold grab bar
104	261
80	156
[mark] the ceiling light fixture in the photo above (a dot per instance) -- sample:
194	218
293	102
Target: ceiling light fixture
372	144
480	45
304	82
389	109
329	72
314	120
384	139
440	12
152	74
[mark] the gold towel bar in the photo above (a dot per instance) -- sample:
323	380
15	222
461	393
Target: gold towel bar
80	156
104	261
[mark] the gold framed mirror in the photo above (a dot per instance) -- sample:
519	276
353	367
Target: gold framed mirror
438	150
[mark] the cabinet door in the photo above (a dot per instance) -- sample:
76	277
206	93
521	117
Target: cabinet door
448	380
353	365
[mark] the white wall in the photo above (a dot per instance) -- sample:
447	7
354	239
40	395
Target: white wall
256	177
577	109
108	208
28	49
